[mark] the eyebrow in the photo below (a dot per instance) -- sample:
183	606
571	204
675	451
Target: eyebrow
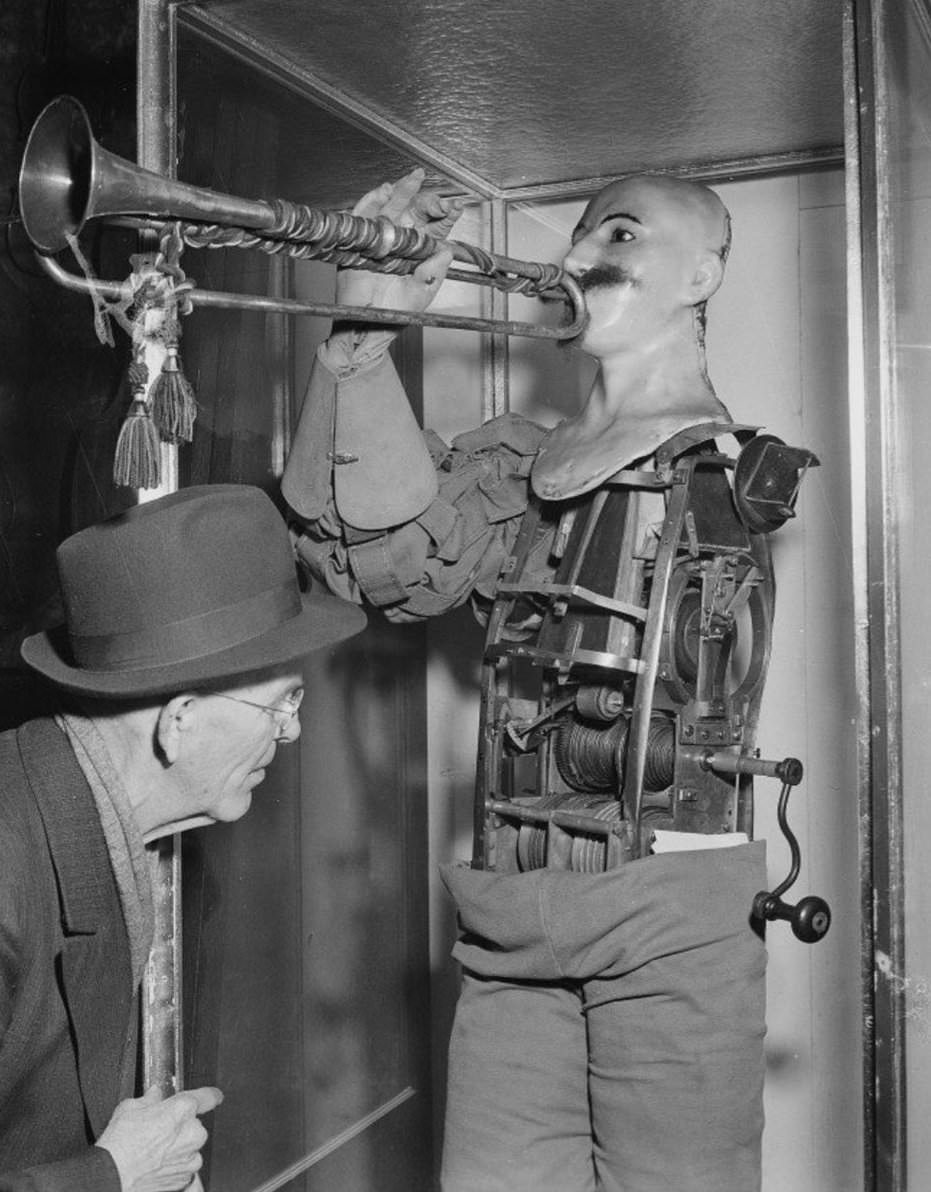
583	228
621	215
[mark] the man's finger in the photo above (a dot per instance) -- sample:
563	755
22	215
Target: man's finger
201	1099
184	1165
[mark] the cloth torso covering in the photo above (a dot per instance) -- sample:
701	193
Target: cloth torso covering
67	1031
609	1032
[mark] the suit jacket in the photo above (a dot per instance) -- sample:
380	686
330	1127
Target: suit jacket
67	1026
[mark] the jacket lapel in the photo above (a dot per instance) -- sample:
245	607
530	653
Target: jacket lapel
95	965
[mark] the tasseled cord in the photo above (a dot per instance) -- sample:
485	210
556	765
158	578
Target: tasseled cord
138	454
174	407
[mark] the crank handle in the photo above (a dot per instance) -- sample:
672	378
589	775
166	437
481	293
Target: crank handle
810	917
789	770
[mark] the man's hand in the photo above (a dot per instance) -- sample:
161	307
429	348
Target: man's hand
403	203
156	1141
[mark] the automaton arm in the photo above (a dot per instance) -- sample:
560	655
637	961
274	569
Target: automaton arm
386	514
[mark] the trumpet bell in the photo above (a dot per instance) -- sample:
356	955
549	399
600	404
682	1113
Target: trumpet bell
67	178
56	175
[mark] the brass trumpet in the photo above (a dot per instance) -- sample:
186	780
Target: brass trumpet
67	178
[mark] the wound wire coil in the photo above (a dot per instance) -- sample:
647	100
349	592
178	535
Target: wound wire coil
350	241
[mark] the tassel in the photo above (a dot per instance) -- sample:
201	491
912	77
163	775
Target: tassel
174	407
137	463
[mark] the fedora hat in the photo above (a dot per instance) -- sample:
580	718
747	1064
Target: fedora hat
193	587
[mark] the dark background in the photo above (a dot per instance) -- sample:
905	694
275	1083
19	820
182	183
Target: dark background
62	392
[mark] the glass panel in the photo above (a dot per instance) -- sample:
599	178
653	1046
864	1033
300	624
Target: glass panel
306	964
306	986
229	113
548	380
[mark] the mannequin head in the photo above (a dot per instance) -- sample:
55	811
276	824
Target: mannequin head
649	251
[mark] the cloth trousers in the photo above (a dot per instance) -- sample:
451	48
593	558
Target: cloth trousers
609	1031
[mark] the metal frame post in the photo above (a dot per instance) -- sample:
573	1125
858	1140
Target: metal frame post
161	984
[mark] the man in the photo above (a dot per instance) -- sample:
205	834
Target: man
178	667
609	1031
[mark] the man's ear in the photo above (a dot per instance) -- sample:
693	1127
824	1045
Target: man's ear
708	275
175	720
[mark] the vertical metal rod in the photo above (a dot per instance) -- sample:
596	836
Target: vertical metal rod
876	570
496	394
161	984
639	734
856	390
278	352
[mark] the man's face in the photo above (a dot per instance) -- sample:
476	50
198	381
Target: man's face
238	730
633	252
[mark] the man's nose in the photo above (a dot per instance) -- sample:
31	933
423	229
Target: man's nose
291	731
579	259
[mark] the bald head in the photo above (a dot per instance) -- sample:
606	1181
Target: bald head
649	252
691	211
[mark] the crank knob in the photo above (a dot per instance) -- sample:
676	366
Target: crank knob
810	917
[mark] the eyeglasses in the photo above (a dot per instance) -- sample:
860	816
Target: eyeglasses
282	714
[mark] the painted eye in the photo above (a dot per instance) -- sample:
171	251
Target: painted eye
621	235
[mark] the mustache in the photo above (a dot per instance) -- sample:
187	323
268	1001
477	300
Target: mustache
600	276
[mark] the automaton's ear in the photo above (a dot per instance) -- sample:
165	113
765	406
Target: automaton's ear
708	275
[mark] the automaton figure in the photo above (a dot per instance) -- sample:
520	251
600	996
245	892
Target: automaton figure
609	1033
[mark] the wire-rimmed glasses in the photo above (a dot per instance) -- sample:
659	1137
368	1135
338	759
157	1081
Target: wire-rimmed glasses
282	713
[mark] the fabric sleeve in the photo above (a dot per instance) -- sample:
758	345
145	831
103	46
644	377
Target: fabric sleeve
93	1171
12	927
452	550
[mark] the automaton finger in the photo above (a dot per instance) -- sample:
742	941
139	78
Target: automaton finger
372	203
399	206
434	206
443	218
